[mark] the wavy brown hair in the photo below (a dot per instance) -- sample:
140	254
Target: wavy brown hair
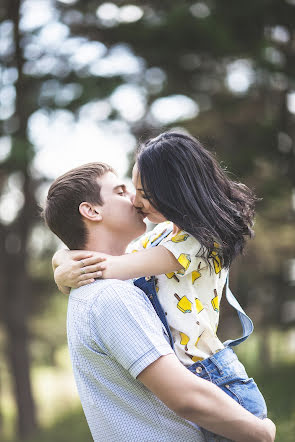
185	183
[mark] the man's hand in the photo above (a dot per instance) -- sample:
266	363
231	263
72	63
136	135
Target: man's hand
75	268
270	428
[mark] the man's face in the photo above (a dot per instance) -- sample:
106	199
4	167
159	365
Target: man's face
118	212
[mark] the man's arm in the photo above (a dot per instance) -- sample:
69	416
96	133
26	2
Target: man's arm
202	402
137	342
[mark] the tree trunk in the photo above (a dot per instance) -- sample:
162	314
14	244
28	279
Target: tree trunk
15	287
15	320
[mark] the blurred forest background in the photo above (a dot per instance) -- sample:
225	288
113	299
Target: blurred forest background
85	80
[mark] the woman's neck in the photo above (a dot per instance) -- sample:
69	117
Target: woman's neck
176	229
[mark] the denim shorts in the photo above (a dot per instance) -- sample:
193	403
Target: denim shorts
227	372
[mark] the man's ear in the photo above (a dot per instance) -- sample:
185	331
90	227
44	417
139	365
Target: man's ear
89	211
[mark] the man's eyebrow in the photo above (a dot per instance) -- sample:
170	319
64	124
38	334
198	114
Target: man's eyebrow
118	186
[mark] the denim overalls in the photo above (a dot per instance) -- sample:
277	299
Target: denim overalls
222	368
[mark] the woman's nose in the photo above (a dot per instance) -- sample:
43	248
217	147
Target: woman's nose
136	201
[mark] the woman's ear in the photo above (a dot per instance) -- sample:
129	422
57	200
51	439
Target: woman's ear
90	212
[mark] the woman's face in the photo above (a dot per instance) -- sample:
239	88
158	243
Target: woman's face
141	202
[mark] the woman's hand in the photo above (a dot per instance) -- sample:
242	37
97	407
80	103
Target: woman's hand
73	268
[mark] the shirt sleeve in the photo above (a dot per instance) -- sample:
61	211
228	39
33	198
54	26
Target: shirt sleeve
124	321
186	250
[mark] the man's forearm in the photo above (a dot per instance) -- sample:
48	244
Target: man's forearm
203	403
209	407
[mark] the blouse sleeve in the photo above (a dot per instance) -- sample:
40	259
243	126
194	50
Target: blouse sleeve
186	250
147	239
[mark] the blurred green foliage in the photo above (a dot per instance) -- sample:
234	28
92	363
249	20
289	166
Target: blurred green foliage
183	48
72	425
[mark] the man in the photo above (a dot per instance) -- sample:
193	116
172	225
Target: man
131	385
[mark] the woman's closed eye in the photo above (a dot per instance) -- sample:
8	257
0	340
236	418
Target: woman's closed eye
145	196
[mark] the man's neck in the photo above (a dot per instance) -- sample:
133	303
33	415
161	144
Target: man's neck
105	242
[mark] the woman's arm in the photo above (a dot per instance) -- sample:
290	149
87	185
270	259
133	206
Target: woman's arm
69	267
73	269
154	261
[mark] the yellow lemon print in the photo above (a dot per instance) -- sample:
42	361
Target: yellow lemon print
196	344
196	358
216	259
185	261
196	274
180	237
184	304
215	302
133	251
172	275
217	264
184	340
199	305
144	242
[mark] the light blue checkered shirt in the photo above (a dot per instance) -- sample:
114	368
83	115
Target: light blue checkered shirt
114	334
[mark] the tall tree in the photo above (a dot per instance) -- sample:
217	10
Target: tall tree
14	240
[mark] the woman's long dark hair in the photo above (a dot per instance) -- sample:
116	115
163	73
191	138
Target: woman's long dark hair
184	182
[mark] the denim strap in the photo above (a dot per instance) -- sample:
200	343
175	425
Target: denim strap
163	235
246	322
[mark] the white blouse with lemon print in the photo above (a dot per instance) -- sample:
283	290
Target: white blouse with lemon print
190	297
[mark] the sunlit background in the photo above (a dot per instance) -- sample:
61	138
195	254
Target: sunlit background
85	81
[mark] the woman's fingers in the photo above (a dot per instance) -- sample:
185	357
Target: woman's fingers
90	276
93	268
81	283
91	261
